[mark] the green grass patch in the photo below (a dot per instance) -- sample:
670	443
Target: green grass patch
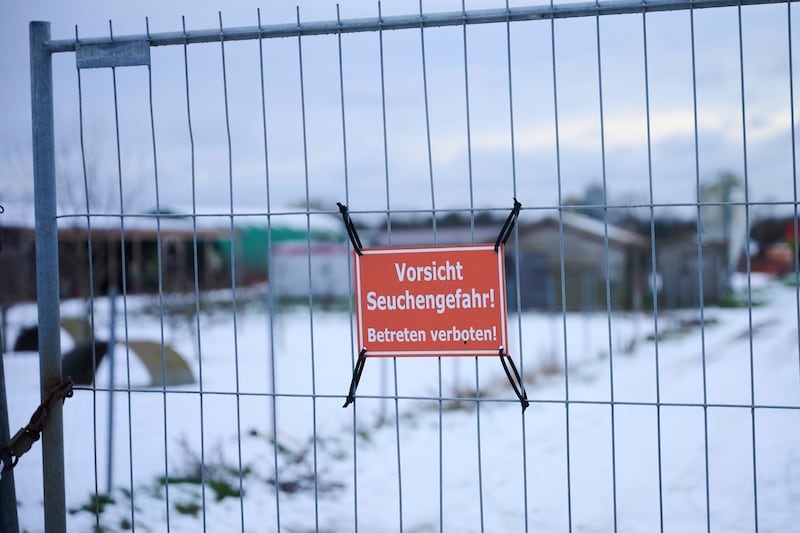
189	508
96	505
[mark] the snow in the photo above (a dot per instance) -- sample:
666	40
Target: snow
548	470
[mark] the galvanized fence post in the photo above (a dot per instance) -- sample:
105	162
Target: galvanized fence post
47	286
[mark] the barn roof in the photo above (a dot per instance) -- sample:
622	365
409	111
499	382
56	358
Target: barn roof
208	220
588	226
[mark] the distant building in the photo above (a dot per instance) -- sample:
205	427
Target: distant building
425	235
586	268
126	253
17	255
309	255
678	263
723	218
317	268
594	197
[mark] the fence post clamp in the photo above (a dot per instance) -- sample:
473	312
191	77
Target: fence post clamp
19	444
23	440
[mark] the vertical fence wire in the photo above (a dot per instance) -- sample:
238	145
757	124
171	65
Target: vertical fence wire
478	431
350	303
471	177
160	262
516	259
471	199
700	268
607	269
389	240
561	266
427	120
795	232
124	280
233	274
748	270
470	180
196	265
271	302
90	247
435	241
654	270
310	281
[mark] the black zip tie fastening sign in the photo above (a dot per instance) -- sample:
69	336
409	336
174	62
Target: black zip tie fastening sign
351	395
515	380
508	226
430	301
351	228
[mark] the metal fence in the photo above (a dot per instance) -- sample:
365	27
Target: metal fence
641	418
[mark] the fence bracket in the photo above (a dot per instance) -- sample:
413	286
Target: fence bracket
113	54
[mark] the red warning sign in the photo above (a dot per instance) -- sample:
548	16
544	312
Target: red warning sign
433	300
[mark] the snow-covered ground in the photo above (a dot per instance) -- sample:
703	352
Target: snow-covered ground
413	463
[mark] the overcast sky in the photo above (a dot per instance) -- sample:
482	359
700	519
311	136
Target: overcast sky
479	170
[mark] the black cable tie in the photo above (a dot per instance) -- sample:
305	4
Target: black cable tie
351	229
505	233
518	390
351	395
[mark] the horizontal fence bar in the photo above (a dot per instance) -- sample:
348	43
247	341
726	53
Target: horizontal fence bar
541	401
432	20
423	211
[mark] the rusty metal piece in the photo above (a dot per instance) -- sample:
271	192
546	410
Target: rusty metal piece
23	440
20	444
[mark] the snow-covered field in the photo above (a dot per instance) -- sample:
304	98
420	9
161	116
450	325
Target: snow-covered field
413	463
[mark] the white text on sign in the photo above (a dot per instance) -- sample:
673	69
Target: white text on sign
453	334
432	272
409	301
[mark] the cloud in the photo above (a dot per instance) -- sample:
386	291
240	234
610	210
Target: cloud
489	164
621	131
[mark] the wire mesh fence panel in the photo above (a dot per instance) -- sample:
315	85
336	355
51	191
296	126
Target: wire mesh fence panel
207	288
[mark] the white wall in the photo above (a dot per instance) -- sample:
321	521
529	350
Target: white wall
289	272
